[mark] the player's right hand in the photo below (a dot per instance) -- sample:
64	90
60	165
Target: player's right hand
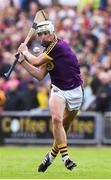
21	58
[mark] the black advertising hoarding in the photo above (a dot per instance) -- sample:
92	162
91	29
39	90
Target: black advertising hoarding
106	135
25	128
83	128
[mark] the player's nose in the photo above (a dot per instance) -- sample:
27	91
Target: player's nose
43	36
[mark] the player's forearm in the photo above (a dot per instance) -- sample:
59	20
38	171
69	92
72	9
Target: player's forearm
32	70
30	58
36	61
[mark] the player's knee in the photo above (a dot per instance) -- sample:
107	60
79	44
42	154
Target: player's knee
56	120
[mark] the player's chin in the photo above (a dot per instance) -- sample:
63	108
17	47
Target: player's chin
45	43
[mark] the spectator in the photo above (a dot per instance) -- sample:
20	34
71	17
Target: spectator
42	96
103	4
103	98
89	97
14	98
2	100
30	96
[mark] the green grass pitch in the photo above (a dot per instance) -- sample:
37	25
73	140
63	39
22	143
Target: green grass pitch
22	162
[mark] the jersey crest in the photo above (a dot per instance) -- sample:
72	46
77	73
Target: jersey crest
50	65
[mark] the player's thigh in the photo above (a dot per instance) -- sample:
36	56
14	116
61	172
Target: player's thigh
57	106
68	118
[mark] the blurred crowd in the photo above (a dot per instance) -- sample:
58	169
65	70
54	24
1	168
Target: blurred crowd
86	26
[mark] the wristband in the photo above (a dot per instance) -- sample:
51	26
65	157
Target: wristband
20	62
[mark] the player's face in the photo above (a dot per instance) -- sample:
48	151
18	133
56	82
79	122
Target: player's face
45	38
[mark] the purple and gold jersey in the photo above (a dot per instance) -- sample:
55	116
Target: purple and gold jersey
63	65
